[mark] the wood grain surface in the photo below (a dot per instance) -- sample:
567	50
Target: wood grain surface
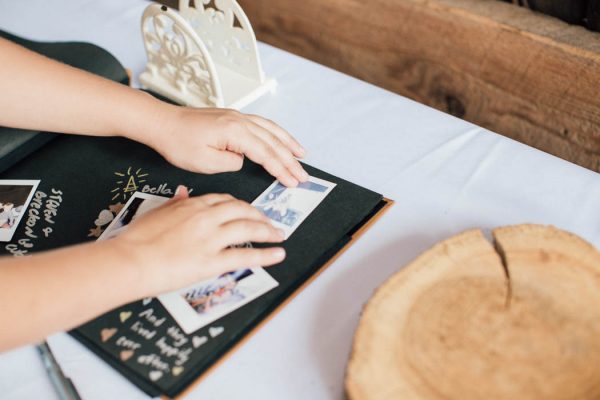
519	73
467	320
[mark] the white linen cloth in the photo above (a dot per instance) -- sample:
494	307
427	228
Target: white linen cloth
446	176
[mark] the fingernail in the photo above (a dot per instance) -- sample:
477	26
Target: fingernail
293	182
179	189
301	151
278	253
304	176
281	233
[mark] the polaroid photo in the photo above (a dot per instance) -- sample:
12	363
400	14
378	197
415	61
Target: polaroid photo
138	204
201	304
287	207
204	302
15	196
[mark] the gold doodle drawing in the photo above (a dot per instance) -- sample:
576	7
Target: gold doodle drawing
95	232
128	183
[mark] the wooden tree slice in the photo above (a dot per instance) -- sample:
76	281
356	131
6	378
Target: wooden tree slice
467	321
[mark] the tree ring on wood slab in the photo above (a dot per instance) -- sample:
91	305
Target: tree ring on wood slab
468	319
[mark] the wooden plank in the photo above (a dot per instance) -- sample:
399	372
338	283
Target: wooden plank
519	73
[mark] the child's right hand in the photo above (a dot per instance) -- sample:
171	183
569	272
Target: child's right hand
187	240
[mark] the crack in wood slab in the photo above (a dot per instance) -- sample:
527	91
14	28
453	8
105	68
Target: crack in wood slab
470	318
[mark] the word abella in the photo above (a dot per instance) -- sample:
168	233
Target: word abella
163	189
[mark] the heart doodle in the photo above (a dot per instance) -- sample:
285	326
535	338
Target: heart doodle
107	333
126	354
177	370
199	341
124	315
155	375
215	331
104	218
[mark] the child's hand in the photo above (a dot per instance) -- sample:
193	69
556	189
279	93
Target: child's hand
215	140
187	239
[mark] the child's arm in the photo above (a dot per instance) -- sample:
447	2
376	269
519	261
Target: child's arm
42	94
175	245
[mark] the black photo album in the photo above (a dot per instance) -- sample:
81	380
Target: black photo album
89	188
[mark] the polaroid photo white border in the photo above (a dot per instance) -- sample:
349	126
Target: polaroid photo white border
6	234
254	283
287	207
116	226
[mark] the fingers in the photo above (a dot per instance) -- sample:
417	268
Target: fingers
182	193
215	198
263	153
215	209
265	143
282	152
181	208
242	231
234	258
281	134
232	210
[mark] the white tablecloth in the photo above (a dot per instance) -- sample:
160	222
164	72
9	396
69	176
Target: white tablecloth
446	176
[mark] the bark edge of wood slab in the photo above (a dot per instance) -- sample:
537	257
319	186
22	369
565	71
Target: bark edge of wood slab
468	319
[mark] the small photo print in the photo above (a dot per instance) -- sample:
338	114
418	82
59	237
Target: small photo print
15	196
287	207
205	302
219	293
138	204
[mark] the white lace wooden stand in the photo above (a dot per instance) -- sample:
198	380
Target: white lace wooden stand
205	55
